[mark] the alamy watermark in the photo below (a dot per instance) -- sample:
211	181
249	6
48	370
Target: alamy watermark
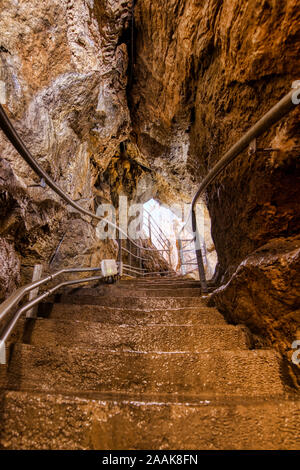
296	94
130	221
2	92
296	354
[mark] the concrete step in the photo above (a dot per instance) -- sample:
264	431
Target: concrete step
97	313
153	338
247	373
137	292
159	284
132	302
49	421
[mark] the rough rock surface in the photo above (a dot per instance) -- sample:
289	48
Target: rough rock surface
65	87
10	268
204	73
264	294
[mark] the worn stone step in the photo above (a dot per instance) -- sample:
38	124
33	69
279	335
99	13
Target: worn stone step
159	284
58	422
49	332
138	292
237	372
132	302
181	316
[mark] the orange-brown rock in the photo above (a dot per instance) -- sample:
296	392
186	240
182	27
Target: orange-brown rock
204	73
263	293
63	65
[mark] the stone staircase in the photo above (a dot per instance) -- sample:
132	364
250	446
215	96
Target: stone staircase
143	364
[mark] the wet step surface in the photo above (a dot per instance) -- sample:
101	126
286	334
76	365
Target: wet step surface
226	372
118	315
100	364
142	303
49	421
135	338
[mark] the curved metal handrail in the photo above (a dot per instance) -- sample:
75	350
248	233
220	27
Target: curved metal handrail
282	108
16	141
278	111
16	297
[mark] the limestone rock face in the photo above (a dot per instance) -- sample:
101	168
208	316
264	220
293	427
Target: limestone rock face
155	260
263	293
204	73
63	68
9	270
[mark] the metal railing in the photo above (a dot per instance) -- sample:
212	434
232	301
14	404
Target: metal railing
12	135
13	300
157	234
137	261
281	109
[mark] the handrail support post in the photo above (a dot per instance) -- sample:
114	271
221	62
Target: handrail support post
36	276
2	352
199	254
120	253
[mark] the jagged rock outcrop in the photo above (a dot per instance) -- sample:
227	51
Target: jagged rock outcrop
204	73
9	268
263	293
155	261
64	70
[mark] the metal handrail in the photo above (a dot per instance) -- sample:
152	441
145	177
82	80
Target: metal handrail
21	148
132	254
16	297
160	240
278	111
156	224
159	233
282	108
135	271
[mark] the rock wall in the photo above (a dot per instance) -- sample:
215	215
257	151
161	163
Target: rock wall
63	67
204	72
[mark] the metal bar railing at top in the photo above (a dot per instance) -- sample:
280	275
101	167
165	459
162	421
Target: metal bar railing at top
132	254
16	297
12	135
155	224
281	109
158	237
151	227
